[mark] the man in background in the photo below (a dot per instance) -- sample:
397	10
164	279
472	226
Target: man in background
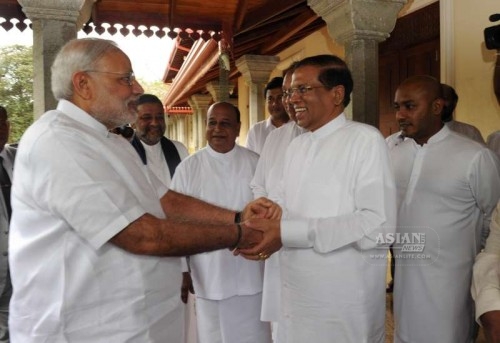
162	155
450	103
277	116
7	156
266	179
228	289
447	186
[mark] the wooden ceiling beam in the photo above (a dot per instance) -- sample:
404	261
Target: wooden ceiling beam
201	58
241	10
289	30
270	10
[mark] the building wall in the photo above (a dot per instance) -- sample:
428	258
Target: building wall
474	64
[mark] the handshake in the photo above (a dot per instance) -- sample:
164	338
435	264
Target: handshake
260	230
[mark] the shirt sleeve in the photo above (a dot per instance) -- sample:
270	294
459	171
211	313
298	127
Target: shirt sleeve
486	277
374	209
485	184
493	241
72	181
485	283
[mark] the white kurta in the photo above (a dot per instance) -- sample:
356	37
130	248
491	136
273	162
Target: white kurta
258	133
265	183
75	187
223	180
447	190
339	196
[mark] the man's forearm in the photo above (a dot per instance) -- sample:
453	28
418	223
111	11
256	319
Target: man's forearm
149	235
179	206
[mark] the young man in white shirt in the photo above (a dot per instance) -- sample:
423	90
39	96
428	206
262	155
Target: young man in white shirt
447	186
277	116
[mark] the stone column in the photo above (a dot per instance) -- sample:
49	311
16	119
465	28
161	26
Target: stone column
181	129
190	142
215	91
360	25
199	103
256	70
54	23
172	124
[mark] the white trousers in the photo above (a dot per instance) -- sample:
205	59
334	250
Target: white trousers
232	320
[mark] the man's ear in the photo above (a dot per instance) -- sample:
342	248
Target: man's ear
437	106
338	95
81	85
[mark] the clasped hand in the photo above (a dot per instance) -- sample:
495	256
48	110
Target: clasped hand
261	230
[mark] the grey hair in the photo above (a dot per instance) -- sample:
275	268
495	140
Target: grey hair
77	55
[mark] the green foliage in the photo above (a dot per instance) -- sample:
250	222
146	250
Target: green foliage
157	88
16	87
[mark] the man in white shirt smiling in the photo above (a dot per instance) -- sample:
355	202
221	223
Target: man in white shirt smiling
161	154
228	289
338	196
93	255
277	116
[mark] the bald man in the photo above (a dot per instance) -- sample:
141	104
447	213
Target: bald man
447	187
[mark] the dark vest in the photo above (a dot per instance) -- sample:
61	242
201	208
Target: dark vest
169	150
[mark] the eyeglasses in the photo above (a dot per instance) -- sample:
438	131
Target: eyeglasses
300	89
126	78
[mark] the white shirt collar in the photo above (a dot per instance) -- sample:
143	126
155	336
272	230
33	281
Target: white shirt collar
81	116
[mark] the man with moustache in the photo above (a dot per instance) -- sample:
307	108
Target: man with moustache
337	193
161	154
447	187
228	289
93	253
